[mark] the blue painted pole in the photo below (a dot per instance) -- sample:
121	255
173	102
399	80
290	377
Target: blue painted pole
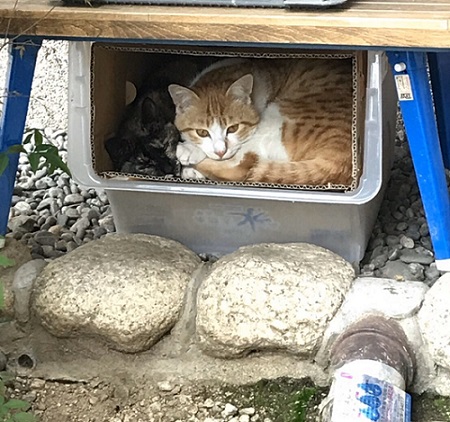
439	64
416	103
22	61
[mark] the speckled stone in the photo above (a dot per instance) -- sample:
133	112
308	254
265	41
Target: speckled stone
270	297
19	254
434	318
127	289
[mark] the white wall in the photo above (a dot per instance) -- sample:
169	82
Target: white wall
48	105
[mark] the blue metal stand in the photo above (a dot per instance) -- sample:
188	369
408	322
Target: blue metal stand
439	64
22	61
416	103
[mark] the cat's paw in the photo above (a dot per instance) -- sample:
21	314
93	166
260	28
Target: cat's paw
189	154
191	173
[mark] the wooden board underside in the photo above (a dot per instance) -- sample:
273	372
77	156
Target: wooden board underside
383	23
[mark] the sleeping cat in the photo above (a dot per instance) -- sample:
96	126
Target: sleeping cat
147	139
274	121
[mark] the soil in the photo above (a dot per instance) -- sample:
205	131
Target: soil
282	400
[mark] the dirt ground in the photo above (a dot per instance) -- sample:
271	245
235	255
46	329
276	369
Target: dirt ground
283	400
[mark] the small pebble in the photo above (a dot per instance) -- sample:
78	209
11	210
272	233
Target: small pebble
229	410
73	198
45	238
165	386
406	242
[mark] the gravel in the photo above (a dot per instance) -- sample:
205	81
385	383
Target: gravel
53	401
51	214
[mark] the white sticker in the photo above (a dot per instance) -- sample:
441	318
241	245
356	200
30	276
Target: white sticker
404	89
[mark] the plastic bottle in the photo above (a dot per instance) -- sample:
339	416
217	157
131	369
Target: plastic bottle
372	365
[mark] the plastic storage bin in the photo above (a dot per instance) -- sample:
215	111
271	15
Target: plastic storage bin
217	219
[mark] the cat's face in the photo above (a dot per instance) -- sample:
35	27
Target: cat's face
218	119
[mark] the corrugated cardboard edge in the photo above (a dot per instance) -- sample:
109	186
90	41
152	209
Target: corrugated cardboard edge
359	64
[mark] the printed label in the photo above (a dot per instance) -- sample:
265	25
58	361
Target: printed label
404	89
366	398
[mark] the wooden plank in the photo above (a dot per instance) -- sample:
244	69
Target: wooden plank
217	16
366	23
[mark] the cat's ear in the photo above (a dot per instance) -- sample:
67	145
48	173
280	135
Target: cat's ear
182	97
242	88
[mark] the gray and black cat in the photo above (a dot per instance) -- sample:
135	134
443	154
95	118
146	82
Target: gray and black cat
147	138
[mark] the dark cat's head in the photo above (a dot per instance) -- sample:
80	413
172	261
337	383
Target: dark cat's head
147	115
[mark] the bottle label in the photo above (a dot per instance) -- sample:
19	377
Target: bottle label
363	398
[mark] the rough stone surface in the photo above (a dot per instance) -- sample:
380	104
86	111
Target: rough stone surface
270	296
22	286
49	83
425	373
398	271
126	289
441	384
20	254
370	295
433	320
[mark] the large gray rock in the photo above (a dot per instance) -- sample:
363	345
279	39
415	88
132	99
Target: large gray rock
391	299
126	289
19	254
22	287
270	296
370	295
434	319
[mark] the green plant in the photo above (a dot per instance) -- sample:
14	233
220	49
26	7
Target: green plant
302	403
12	410
40	154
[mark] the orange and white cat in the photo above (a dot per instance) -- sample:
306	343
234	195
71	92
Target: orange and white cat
275	121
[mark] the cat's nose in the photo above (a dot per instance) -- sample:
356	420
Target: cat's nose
221	153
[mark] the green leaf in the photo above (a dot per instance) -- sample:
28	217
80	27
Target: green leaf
34	159
28	138
38	137
17	404
6	262
6	376
2	400
56	161
46	150
4	161
24	417
15	149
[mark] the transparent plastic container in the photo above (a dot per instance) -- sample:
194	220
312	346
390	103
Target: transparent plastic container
218	219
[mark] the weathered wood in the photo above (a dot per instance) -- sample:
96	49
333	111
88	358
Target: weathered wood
401	23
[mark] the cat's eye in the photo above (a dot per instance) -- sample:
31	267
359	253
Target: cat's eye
232	128
203	133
